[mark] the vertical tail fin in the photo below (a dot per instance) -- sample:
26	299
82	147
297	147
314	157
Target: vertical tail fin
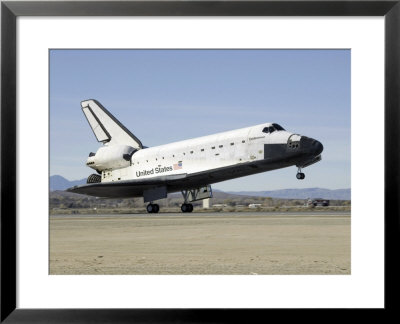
106	127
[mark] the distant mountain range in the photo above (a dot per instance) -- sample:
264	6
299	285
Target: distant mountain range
58	182
337	194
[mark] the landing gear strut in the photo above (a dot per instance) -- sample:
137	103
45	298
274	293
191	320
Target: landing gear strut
300	175
152	208
194	194
187	208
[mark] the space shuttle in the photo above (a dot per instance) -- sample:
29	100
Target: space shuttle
126	169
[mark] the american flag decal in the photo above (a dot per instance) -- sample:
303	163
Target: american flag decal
178	165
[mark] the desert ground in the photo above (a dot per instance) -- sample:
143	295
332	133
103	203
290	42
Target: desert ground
201	243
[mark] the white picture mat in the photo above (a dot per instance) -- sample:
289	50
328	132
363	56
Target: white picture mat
363	288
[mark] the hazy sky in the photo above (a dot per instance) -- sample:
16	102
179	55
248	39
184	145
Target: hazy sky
163	96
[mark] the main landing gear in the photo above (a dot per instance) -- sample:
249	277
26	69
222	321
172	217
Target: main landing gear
300	175
152	208
187	196
187	208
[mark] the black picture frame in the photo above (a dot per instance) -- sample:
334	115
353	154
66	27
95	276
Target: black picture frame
10	10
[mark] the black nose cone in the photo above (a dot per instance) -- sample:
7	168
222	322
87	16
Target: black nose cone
310	146
317	146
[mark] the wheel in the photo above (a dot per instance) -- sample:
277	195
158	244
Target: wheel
300	176
190	206
156	208
150	208
184	208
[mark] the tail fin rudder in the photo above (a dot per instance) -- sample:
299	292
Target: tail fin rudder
106	127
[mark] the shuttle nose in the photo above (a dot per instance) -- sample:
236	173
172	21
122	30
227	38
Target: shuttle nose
318	147
311	146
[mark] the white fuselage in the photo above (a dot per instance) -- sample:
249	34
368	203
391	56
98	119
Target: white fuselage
198	154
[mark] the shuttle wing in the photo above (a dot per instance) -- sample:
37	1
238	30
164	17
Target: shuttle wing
174	183
106	127
127	188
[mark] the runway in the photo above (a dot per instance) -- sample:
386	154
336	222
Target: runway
247	243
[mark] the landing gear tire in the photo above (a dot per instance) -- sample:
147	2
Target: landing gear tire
187	208
152	208
300	175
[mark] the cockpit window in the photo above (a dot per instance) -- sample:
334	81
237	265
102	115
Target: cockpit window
269	129
278	127
273	128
